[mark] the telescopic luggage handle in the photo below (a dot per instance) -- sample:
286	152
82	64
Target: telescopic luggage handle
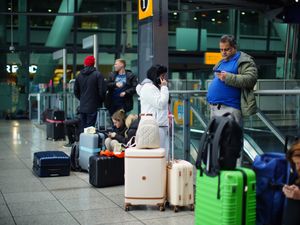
171	145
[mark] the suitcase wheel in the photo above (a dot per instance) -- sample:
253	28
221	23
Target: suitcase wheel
175	209
192	207
126	207
162	207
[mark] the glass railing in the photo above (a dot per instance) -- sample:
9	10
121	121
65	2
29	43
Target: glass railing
263	132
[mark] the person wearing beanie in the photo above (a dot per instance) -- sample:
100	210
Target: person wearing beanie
89	61
121	86
90	89
154	97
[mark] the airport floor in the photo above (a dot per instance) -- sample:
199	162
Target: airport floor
26	199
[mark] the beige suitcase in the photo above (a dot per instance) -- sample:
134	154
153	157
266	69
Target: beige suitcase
145	177
180	185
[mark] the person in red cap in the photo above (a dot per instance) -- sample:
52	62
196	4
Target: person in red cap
90	89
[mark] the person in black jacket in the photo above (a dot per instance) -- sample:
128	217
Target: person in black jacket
121	88
119	129
90	89
72	129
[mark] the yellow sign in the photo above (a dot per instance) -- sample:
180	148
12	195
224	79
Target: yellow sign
178	113
211	58
145	9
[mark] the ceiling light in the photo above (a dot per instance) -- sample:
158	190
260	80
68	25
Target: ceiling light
195	18
296	0
219	22
203	15
175	13
218	11
49	10
213	19
243	13
9	8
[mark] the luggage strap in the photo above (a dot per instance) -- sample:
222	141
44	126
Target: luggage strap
54	121
244	198
202	146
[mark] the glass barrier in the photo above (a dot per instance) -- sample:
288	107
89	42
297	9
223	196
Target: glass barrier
264	131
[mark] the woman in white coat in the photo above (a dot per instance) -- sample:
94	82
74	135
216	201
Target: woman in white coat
154	97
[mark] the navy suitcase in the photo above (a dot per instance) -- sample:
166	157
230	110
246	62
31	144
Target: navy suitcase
106	171
51	163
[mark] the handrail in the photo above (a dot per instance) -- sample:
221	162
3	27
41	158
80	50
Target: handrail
250	146
257	92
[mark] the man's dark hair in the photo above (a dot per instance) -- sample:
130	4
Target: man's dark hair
230	39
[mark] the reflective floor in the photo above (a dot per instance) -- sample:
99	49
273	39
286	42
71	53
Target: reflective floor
27	199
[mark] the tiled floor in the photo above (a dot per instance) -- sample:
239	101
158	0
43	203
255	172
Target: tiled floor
27	199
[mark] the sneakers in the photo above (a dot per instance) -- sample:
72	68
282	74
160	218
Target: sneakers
68	145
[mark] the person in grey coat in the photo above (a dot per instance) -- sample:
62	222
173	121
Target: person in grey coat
235	76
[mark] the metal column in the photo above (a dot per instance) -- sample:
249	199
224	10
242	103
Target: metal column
152	35
186	127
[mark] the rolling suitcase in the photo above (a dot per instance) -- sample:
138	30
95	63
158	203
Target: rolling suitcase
106	171
180	184
55	125
145	177
55	130
227	199
89	145
51	163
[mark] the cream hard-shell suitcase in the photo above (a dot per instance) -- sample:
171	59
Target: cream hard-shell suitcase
145	177
180	184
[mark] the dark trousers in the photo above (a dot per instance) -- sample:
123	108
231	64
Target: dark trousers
72	130
87	120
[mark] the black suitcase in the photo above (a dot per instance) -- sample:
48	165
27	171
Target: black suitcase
55	131
106	171
51	163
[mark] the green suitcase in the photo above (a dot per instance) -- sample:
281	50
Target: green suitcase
227	199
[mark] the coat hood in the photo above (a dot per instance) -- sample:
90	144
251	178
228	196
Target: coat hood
140	86
87	70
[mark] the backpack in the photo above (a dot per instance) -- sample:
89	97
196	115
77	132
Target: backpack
220	145
147	134
272	172
74	157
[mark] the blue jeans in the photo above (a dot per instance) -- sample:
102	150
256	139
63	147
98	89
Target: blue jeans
87	120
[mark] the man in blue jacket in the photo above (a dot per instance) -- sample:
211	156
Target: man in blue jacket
90	89
235	76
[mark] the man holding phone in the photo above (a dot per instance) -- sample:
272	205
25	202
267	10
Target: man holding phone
235	76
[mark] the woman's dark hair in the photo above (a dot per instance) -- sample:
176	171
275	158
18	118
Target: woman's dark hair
154	72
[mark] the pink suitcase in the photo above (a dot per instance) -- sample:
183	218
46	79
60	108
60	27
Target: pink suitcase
145	177
180	185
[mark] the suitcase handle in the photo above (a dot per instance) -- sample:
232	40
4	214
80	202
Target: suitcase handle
171	145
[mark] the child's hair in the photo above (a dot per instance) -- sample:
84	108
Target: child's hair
294	151
119	116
